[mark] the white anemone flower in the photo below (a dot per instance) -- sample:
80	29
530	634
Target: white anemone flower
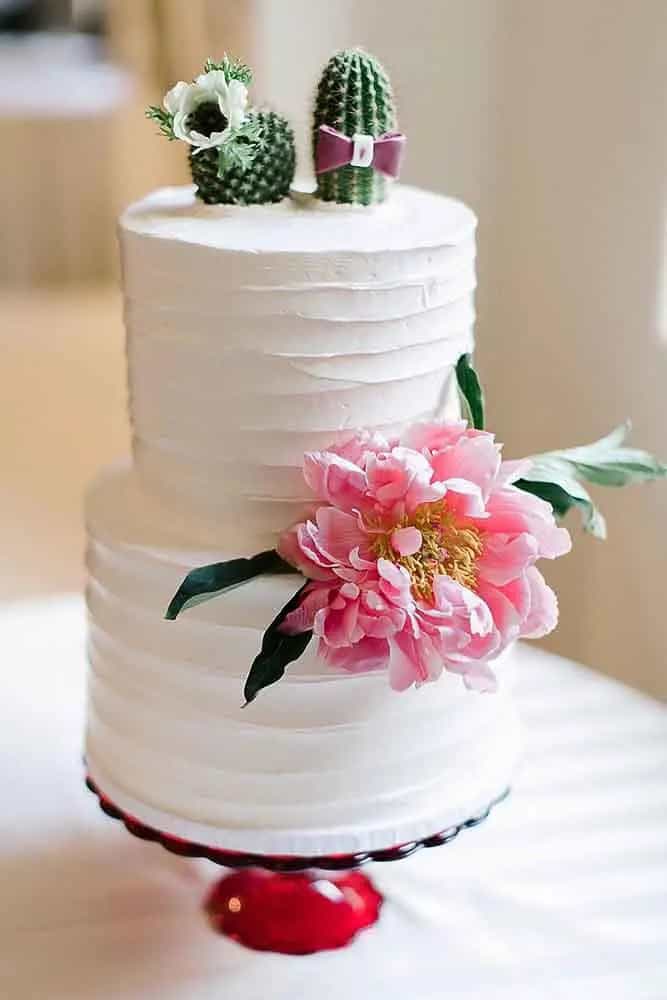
231	98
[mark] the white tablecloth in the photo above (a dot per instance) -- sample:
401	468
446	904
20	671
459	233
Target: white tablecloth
562	893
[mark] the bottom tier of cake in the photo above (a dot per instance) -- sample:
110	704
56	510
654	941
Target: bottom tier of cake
322	762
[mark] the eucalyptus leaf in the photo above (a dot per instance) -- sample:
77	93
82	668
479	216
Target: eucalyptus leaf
470	389
278	650
206	582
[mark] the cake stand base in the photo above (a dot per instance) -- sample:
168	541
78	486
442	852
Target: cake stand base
290	904
295	914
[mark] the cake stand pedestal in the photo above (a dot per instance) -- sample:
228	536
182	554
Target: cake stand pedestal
288	904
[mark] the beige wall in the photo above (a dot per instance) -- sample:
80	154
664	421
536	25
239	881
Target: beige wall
572	337
550	120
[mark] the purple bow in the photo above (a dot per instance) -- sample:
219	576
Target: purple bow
335	150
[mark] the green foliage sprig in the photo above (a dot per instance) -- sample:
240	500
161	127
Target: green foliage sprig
234	69
239	149
164	119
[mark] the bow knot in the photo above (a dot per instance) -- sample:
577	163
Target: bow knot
335	150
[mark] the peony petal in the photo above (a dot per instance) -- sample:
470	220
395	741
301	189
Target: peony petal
464	498
358	446
303	617
435	435
337	534
477	676
400	476
474	459
543	615
512	511
505	616
303	557
406	541
395	583
505	557
335	480
413	660
518	592
368	654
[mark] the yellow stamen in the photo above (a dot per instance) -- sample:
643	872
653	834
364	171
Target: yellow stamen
448	548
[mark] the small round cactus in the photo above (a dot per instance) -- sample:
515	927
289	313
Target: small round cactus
237	156
266	178
354	95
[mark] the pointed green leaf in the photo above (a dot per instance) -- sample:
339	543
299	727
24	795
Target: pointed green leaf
471	391
606	462
557	476
206	582
563	494
278	650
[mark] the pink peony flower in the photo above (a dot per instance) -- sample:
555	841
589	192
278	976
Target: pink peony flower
422	555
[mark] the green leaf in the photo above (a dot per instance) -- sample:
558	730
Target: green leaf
278	650
557	476
206	582
563	496
471	391
606	462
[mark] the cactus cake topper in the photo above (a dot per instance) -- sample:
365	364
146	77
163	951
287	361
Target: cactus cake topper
237	155
355	143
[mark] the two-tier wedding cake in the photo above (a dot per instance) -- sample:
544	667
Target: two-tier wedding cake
298	368
255	334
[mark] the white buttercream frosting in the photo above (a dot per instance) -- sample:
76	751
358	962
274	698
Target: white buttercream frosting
322	761
254	335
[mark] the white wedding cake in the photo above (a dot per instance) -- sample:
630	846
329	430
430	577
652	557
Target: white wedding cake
255	334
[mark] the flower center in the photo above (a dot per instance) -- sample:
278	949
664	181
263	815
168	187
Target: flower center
206	118
447	548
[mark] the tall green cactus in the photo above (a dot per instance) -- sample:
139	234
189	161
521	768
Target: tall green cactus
354	95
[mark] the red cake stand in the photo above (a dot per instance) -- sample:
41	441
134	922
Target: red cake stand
288	904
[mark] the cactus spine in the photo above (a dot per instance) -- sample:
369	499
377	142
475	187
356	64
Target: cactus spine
354	95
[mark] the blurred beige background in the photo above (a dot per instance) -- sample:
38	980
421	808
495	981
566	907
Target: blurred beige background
549	119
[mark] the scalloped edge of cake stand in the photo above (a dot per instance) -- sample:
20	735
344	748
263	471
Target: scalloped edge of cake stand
284	863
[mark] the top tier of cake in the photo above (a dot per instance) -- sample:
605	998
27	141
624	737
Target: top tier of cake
256	334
